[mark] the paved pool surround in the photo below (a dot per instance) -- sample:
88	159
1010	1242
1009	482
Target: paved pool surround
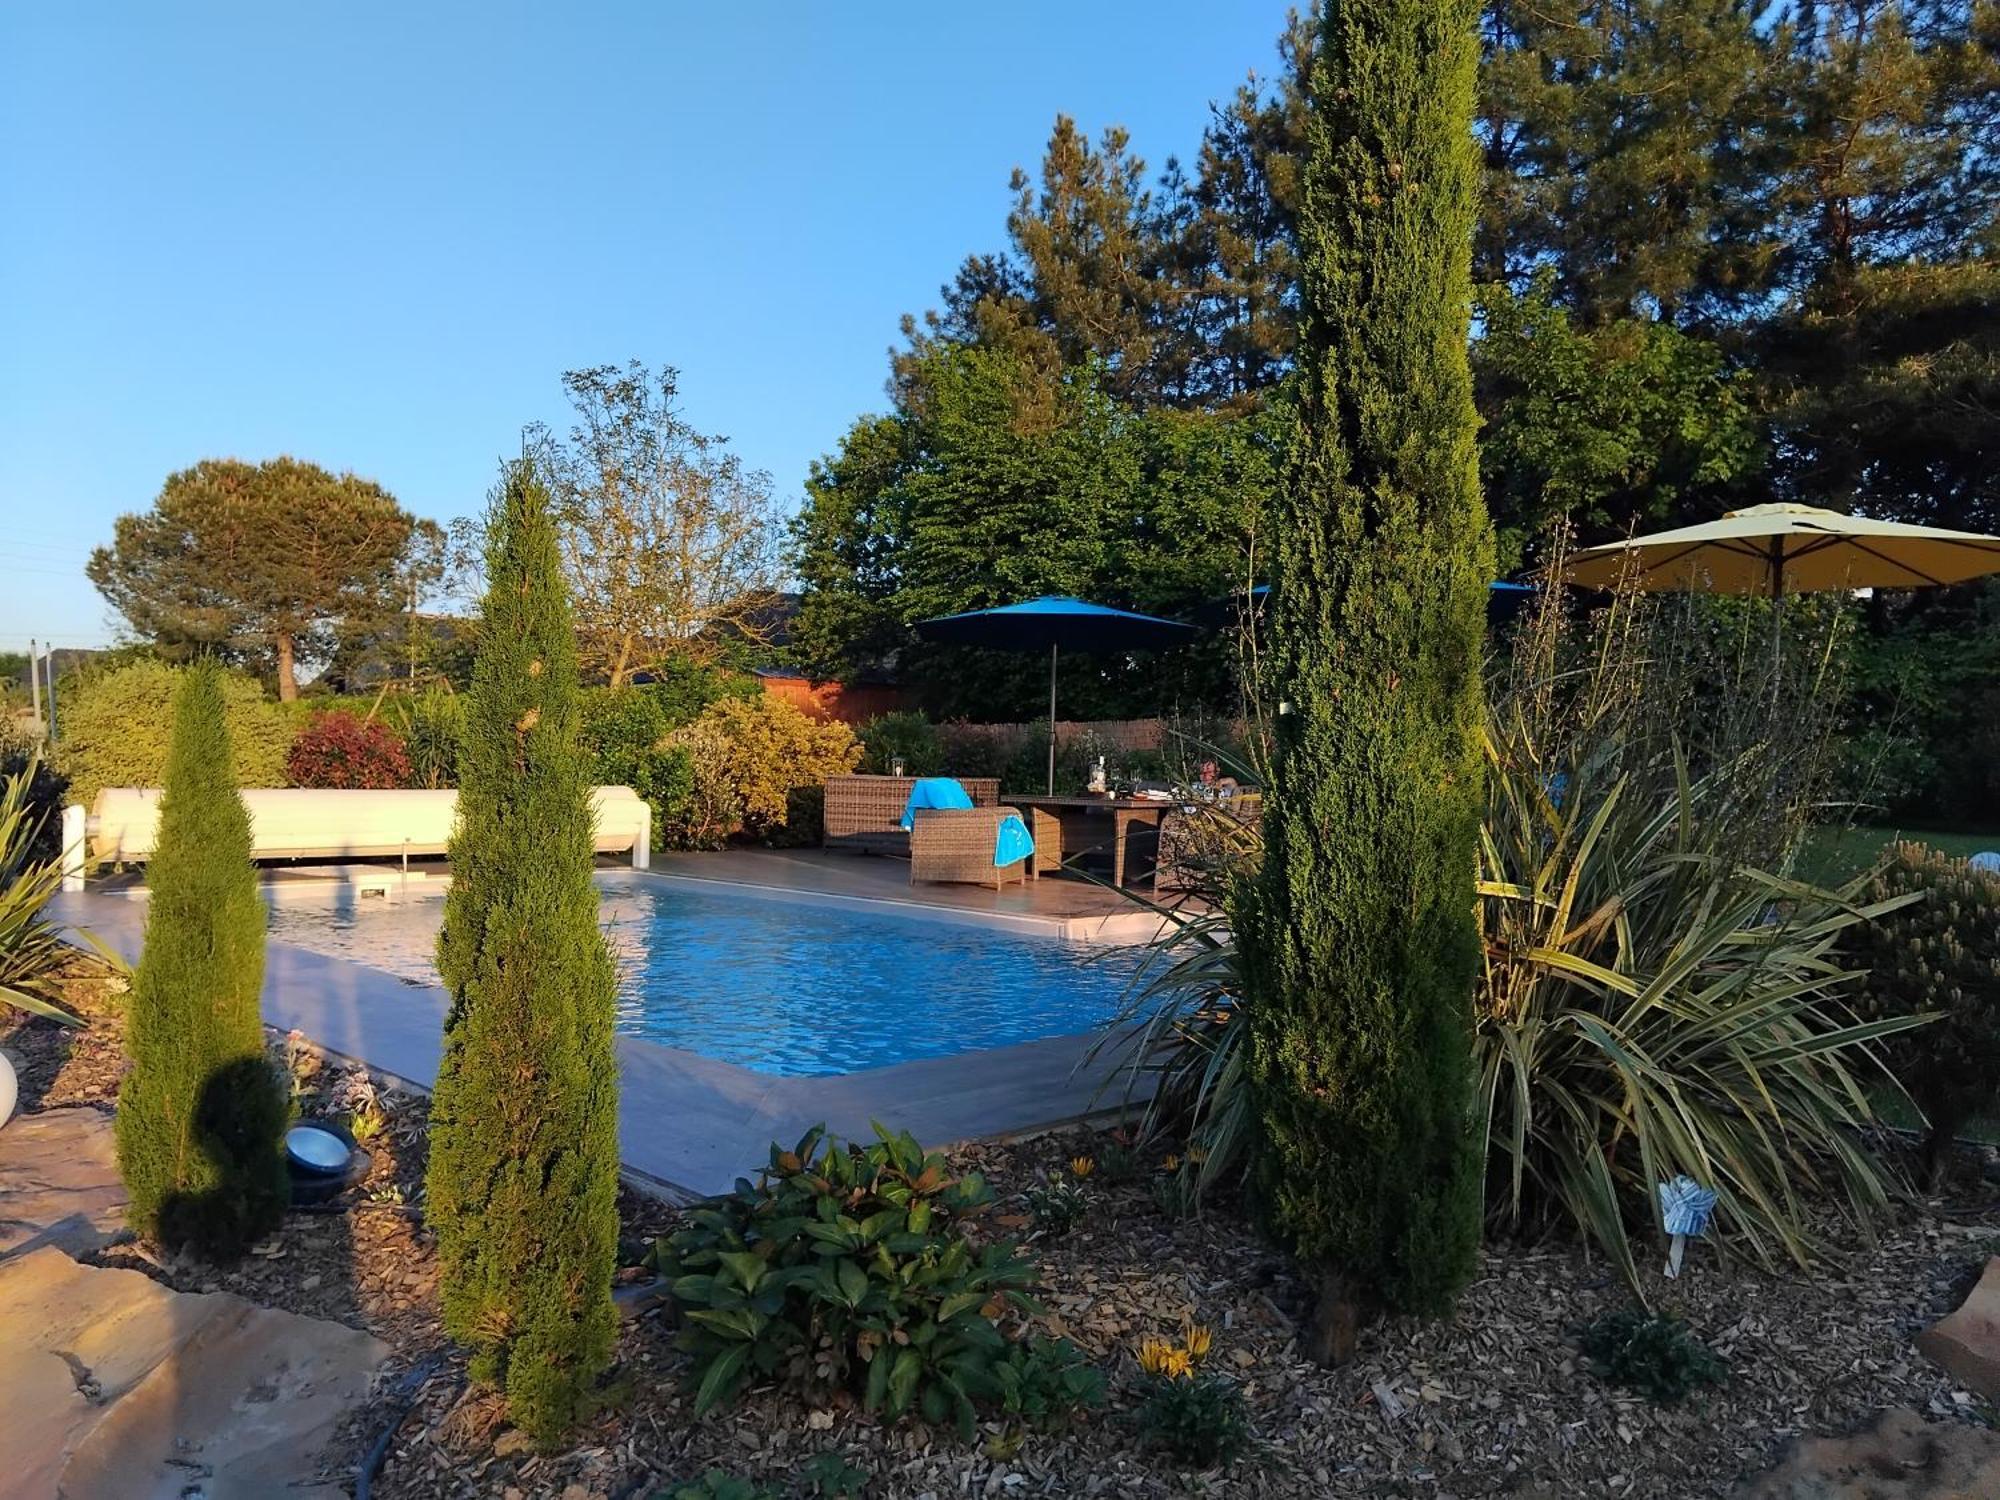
688	1125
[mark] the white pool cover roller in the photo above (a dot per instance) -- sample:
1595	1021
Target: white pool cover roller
296	823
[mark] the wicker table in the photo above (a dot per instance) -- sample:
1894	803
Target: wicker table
1065	827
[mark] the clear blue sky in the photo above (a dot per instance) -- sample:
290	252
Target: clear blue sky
374	235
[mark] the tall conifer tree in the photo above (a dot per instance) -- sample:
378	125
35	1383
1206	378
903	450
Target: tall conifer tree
523	1179
1359	937
200	1111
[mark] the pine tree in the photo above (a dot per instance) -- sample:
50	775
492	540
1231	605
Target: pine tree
201	1112
1081	281
523	1178
1622	147
1232	314
1359	943
1881	369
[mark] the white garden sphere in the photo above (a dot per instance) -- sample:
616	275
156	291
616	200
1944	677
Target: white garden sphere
10	1089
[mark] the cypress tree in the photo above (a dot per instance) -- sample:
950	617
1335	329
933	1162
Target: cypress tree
523	1177
1359	940
201	1111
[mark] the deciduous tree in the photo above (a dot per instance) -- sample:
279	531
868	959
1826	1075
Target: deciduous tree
995	485
1630	425
670	545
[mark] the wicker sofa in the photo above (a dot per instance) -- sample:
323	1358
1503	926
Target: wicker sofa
864	814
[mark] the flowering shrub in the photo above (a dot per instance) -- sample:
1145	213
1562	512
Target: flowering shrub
1196	1415
340	751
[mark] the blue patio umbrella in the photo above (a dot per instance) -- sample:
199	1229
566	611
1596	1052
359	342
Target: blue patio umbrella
1052	623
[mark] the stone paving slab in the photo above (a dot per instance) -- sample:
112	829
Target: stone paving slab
1968	1342
114	1385
59	1182
1902	1457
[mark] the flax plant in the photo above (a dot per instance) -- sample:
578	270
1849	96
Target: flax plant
1657	993
33	955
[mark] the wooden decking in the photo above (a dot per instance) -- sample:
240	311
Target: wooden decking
1064	906
1060	906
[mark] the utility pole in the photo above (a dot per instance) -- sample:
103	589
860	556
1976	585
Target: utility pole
34	680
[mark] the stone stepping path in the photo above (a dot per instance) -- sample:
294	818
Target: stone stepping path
59	1182
1902	1457
115	1385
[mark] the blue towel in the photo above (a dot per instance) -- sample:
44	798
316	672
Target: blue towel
933	791
1014	842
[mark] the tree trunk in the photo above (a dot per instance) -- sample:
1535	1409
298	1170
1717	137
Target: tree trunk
624	656
1938	1148
288	682
1334	1325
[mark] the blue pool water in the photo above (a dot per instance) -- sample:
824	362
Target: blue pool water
776	984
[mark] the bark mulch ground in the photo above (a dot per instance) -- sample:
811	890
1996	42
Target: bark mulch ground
1498	1400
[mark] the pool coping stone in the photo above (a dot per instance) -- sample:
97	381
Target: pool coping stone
688	1125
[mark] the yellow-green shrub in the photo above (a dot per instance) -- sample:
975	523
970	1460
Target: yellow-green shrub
748	756
116	727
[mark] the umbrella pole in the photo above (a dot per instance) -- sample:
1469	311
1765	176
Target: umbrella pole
1777	616
1052	718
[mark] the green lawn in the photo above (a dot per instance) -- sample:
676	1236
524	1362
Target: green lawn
1836	854
1896	1109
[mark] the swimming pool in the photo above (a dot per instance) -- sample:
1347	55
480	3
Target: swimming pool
772	982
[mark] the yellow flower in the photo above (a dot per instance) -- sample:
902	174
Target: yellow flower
1171	1164
1169	1361
1196	1156
1081	1166
1199	1341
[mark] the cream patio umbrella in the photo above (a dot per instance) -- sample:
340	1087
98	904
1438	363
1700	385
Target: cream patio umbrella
1776	550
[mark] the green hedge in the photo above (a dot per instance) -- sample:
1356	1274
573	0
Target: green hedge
116	727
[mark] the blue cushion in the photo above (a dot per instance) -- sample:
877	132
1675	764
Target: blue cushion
933	791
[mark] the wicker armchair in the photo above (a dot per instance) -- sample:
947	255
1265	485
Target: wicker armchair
864	814
956	844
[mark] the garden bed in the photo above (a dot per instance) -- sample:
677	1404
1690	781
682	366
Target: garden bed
1497	1400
